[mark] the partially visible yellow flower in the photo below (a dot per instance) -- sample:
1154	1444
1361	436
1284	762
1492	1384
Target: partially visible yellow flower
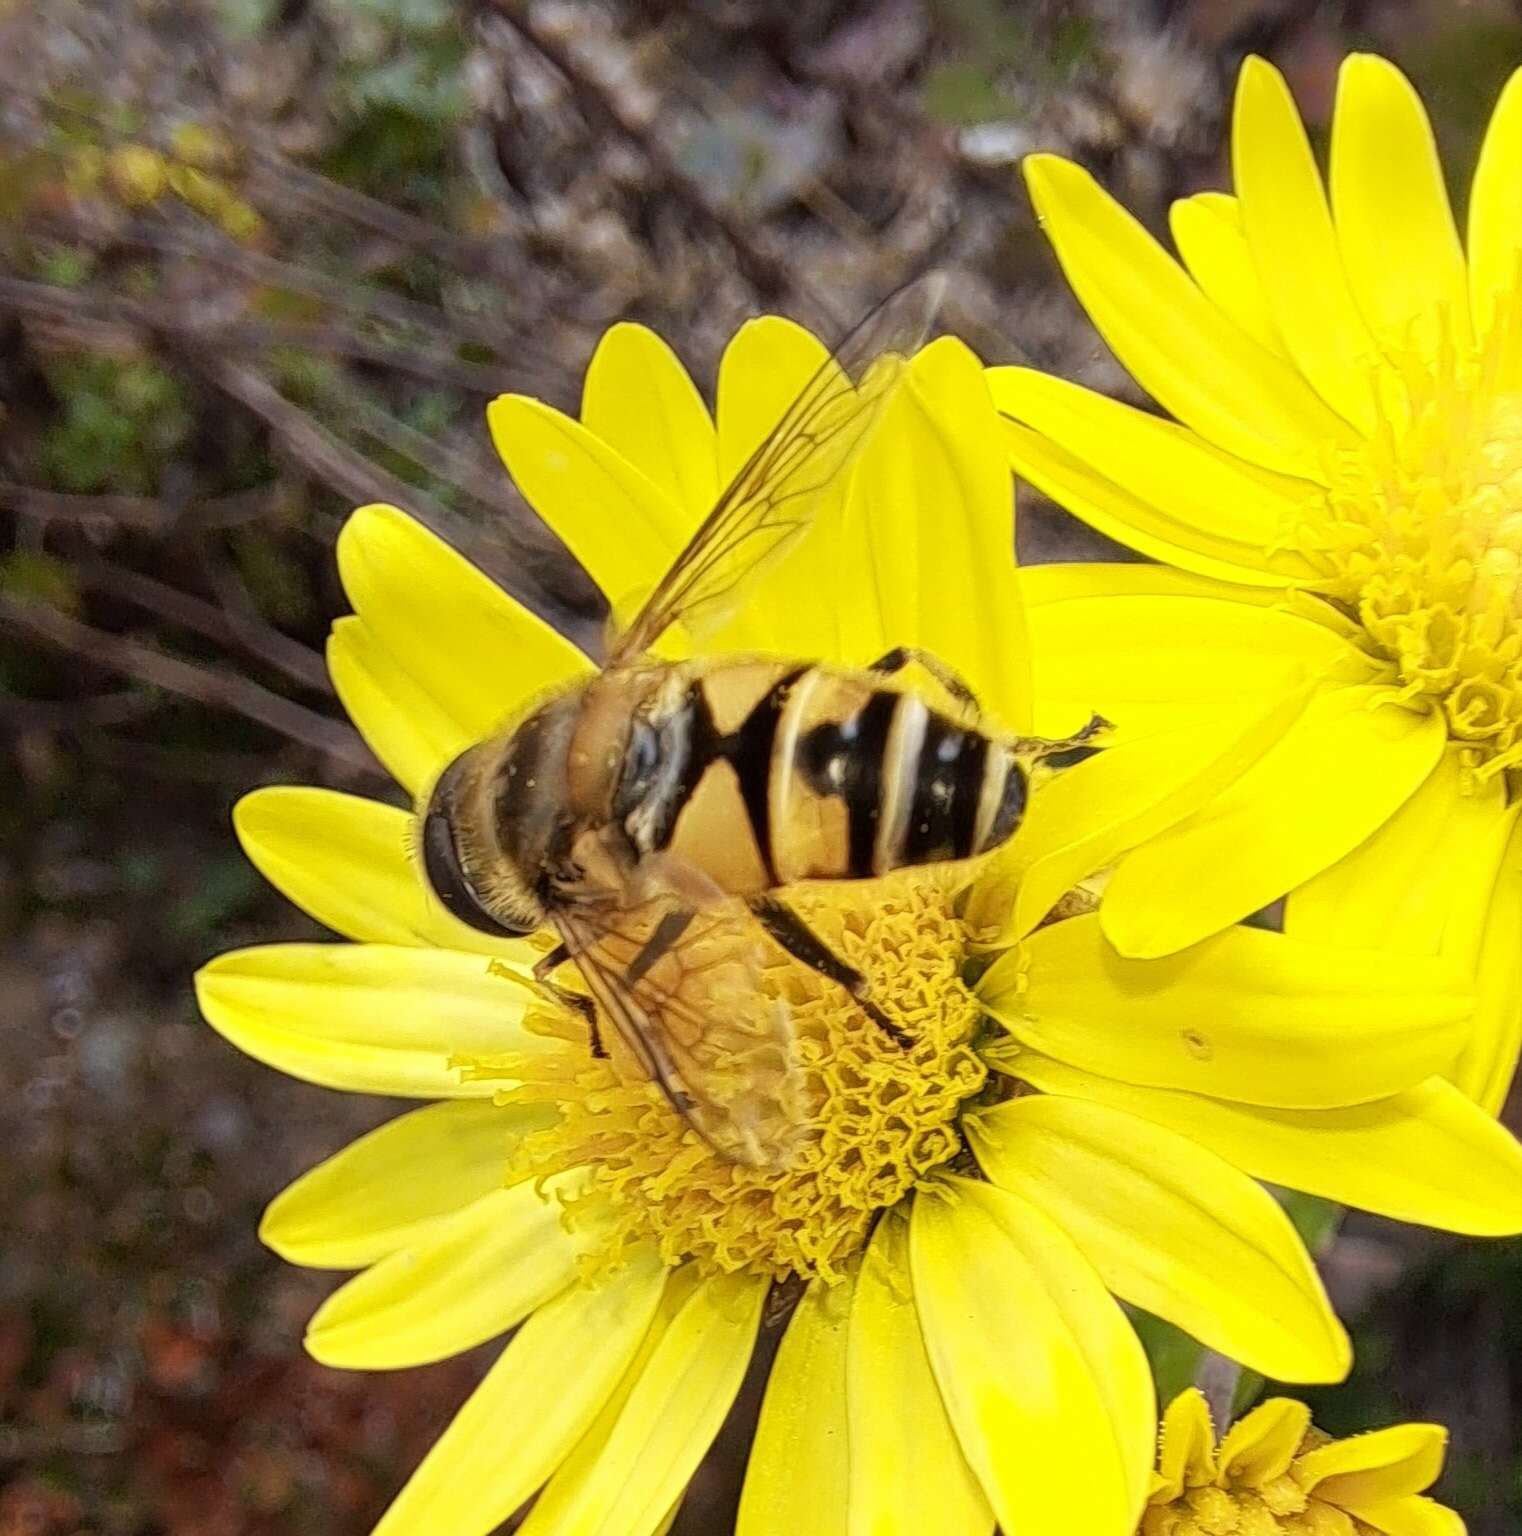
1275	1474
1069	1127
1342	495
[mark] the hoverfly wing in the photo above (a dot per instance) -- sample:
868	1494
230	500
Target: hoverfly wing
684	990
772	498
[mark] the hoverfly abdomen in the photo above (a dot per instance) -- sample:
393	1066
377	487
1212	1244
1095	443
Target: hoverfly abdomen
945	794
867	779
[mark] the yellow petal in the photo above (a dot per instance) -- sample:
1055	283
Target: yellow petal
935	489
410	730
797	1475
766	365
1413	886
342	859
1152	661
1090	813
464	1279
371	1018
1180	348
381	1192
1063	581
1171	1228
1370	1468
531	1408
641	402
1207	229
469	647
621	526
1261	1445
1249	1016
1087	492
1488	1062
543	1518
1294	247
764	369
889	1384
347	862
1394	225
1186	1453
1151	483
1425	1155
1047	1385
1408	1517
1346	766
1495	208
632	1465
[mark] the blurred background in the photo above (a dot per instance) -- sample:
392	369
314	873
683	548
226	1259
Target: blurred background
263	260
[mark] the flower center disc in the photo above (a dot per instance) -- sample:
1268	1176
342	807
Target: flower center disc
1426	536
880	1115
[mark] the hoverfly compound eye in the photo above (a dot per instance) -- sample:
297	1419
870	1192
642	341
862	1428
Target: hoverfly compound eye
446	874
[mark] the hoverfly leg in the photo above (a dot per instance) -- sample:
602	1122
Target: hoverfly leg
804	945
670	928
1069	750
577	1002
900	657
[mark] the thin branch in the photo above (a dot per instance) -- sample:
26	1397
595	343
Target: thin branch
350	473
489	486
77	306
417	359
216	690
318	451
287	180
149	513
763	267
120	320
245	631
194	765
377	303
331	461
93	713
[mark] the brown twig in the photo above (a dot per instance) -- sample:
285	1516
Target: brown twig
351	474
417	359
488	485
330	459
270	271
282	178
149	513
216	690
119	320
244	630
770	274
94	713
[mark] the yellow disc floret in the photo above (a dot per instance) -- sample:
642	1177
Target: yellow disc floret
1424	542
879	1114
1275	1474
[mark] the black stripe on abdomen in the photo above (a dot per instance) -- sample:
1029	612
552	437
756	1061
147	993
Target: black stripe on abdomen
943	818
749	751
1010	807
846	760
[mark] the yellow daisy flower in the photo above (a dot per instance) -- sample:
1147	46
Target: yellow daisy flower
1275	1472
1342	496
1069	1127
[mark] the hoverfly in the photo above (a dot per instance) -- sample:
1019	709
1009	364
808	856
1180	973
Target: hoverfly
655	814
